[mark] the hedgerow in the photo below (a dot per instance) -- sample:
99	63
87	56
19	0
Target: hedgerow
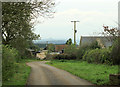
115	53
64	56
9	58
101	56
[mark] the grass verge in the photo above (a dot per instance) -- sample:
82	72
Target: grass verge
95	73
21	73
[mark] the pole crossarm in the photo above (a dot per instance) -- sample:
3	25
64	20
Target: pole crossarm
75	21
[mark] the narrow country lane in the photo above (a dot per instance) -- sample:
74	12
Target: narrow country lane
43	74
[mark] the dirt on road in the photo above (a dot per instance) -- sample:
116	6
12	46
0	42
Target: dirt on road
43	74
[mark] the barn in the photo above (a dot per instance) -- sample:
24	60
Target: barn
103	41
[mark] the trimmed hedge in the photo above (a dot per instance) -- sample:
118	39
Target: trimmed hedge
98	56
9	58
64	56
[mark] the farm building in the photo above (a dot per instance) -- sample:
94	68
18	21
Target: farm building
102	41
59	48
42	54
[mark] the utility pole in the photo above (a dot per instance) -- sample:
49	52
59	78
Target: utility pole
119	16
75	31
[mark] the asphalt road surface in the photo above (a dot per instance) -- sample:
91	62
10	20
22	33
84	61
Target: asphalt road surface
43	74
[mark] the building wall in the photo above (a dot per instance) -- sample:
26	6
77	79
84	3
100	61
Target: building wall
59	47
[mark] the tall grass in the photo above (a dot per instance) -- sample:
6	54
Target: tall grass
9	58
21	73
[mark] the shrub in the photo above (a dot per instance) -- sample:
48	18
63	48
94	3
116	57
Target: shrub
115	53
70	49
64	56
9	59
70	52
81	51
28	55
51	48
94	45
98	56
49	56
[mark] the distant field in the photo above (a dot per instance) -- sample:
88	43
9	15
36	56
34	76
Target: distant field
41	45
95	73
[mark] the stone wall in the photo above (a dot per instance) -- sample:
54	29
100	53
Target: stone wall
114	79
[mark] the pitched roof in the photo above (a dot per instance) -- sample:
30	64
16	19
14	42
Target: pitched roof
106	41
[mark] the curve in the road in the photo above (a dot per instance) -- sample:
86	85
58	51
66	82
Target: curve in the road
43	74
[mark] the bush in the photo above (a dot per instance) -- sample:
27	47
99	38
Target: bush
70	52
64	56
81	51
9	58
70	49
28	55
98	56
51	48
49	56
115	53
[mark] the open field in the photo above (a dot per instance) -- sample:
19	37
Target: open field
95	73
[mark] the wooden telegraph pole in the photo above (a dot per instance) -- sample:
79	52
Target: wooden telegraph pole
119	15
75	31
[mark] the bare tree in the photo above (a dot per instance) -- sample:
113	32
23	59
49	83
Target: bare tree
111	33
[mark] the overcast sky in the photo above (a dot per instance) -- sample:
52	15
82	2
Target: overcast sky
92	14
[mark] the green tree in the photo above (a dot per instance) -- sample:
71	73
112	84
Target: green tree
69	41
70	49
17	21
51	47
34	47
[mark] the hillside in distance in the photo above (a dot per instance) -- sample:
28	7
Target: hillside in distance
43	43
49	41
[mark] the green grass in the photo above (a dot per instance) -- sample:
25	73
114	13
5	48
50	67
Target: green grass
95	73
21	73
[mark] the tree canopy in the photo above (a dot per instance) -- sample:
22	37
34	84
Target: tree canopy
69	41
17	21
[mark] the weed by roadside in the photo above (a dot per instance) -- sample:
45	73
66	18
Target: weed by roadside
21	73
